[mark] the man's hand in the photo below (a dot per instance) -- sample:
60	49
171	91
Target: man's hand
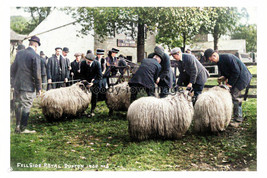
189	85
230	86
49	81
71	73
157	80
66	80
221	79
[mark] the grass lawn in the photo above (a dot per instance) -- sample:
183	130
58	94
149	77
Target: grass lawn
103	143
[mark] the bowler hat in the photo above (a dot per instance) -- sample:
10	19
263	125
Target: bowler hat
65	49
114	50
20	47
89	51
41	53
90	56
35	39
100	51
159	51
58	48
208	53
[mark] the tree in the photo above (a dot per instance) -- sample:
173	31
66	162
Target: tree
221	21
38	14
133	21
249	33
179	25
18	24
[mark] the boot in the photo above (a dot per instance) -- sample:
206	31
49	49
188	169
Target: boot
24	123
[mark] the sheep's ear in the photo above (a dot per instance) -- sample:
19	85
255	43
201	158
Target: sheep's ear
82	86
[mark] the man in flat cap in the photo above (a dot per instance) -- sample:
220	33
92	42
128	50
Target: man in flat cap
26	81
20	47
237	75
192	73
57	69
146	77
76	67
65	52
91	71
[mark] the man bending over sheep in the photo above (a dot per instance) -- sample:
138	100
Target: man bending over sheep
238	76
145	77
192	73
91	71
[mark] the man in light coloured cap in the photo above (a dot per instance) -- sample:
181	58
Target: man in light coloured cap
91	71
192	73
76	67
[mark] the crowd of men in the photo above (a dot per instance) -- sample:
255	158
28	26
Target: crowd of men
29	70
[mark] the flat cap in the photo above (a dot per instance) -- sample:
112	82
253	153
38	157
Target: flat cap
77	54
58	48
90	56
20	47
175	51
208	53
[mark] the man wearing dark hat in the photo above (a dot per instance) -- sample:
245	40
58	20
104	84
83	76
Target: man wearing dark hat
57	70
76	67
26	80
100	58
111	63
20	47
65	52
165	80
91	71
237	75
192	73
43	68
146	77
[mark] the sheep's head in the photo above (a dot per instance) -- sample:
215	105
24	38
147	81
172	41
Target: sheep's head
84	85
224	87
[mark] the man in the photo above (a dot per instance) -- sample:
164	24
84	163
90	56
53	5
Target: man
238	76
100	58
56	70
165	80
192	73
65	52
145	77
76	67
26	80
188	51
91	71
20	47
43	68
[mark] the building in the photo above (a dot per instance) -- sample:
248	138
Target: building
15	40
58	30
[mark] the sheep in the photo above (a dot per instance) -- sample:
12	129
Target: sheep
165	118
66	101
213	110
118	97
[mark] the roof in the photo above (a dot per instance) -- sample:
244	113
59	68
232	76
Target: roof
16	37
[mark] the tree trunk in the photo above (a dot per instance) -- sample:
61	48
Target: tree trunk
140	42
216	37
184	41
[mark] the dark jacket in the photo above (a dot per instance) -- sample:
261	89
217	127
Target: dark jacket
75	67
122	63
193	68
165	73
56	71
43	66
26	71
111	70
68	65
234	70
147	73
89	73
102	62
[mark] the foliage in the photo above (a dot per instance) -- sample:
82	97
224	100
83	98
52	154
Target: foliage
221	20
179	25
18	24
249	33
23	26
